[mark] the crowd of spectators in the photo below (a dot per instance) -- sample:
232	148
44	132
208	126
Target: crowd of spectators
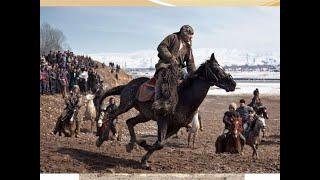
60	71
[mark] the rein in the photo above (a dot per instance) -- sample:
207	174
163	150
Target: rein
206	78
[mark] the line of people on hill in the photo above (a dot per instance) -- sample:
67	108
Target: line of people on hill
114	68
60	71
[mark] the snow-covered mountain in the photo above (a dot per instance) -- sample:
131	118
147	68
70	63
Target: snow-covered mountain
148	58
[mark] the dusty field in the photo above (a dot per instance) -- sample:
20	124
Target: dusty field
80	155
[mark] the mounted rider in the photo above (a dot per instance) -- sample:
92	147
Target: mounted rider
256	101
244	112
254	116
176	50
227	120
73	104
111	108
104	116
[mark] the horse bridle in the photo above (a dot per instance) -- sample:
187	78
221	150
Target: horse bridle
211	74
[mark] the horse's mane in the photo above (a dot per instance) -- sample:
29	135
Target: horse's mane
186	83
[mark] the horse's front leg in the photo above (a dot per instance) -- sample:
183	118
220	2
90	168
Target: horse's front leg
159	144
92	124
189	138
254	153
130	124
194	138
162	133
263	133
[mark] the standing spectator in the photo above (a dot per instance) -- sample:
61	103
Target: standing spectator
97	80
52	80
72	78
63	82
83	78
90	79
93	80
43	81
64	61
49	57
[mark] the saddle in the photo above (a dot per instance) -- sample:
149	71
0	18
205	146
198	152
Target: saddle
146	91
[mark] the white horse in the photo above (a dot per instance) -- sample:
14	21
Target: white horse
254	135
194	126
90	111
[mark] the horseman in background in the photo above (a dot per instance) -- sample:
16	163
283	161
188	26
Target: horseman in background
73	104
244	112
255	102
227	120
174	50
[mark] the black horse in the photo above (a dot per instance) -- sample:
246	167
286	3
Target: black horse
191	93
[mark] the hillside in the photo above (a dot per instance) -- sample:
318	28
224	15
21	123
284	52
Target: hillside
109	79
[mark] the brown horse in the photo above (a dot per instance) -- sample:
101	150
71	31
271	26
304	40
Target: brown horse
104	125
191	93
101	129
66	124
232	142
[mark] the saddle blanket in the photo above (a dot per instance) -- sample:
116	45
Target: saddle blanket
146	91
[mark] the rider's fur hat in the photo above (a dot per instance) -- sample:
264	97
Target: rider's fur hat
186	29
233	105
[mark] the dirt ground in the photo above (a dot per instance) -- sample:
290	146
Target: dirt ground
80	155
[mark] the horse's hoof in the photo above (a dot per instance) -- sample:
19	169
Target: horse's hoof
98	143
129	147
146	166
142	142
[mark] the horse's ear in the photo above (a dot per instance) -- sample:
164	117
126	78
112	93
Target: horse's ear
213	58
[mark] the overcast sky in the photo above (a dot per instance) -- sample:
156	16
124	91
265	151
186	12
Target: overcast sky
126	29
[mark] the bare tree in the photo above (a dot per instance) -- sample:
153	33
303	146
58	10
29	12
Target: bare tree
51	39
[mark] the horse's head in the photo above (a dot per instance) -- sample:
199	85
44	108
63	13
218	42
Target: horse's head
262	111
236	127
88	97
260	124
216	75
